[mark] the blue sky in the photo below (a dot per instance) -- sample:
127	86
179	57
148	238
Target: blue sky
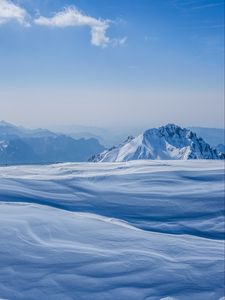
150	62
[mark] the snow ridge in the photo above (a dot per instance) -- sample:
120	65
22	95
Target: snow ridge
166	142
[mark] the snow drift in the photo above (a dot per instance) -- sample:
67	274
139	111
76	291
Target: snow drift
135	230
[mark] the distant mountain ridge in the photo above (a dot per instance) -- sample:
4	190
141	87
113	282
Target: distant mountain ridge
10	131
165	142
212	136
19	145
115	136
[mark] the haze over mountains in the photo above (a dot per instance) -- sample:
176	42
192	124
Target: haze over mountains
106	136
19	145
109	137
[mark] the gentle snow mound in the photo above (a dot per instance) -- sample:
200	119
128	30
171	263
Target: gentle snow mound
47	253
145	230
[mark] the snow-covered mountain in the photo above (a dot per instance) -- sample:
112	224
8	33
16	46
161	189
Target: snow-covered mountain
166	142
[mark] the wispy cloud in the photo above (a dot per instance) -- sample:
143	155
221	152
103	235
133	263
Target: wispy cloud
118	42
71	16
12	12
150	38
209	5
196	4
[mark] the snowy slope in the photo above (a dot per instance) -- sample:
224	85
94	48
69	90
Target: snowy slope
53	254
135	230
166	142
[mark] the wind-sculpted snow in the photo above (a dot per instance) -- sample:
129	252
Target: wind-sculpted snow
137	230
171	197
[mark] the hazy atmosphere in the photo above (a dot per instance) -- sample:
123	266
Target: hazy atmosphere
115	63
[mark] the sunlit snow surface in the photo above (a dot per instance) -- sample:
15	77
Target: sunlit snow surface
129	231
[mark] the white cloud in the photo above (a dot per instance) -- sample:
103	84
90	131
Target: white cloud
71	16
10	11
98	35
